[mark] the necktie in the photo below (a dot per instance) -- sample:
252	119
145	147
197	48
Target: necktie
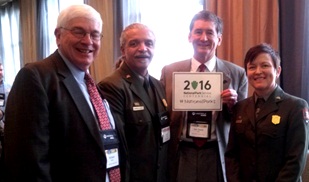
258	105
199	141
146	85
96	100
201	68
149	90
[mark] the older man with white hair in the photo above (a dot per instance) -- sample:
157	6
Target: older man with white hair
53	125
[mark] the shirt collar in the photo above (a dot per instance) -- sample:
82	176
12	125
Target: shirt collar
142	78
77	73
211	64
265	97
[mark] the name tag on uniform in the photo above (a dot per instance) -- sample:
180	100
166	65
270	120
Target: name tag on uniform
138	108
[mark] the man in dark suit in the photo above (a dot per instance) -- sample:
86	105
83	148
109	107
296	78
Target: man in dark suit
190	161
52	131
138	103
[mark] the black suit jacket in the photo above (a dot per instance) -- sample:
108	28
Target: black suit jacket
50	132
136	118
272	147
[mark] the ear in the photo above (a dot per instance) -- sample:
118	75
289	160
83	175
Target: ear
122	50
189	37
278	71
57	34
219	39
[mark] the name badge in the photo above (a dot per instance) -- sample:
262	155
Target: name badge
199	124
112	158
199	130
165	134
2	99
110	142
165	126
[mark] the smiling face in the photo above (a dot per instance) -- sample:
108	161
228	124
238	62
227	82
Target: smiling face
79	51
262	74
138	49
204	39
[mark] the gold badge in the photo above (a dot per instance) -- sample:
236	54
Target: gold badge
164	102
275	119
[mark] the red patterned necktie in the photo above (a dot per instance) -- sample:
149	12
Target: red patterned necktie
202	68
97	102
200	141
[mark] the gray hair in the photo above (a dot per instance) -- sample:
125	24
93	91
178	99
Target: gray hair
123	36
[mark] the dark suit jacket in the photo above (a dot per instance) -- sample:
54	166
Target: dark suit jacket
50	132
274	146
234	77
135	117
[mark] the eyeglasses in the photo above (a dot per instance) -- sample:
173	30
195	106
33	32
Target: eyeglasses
81	33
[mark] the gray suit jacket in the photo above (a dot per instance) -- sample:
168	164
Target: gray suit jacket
51	133
234	77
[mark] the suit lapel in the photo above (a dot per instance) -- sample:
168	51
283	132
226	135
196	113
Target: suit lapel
140	92
268	107
79	99
184	67
226	74
250	111
160	97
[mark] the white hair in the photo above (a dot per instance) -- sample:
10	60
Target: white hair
75	11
